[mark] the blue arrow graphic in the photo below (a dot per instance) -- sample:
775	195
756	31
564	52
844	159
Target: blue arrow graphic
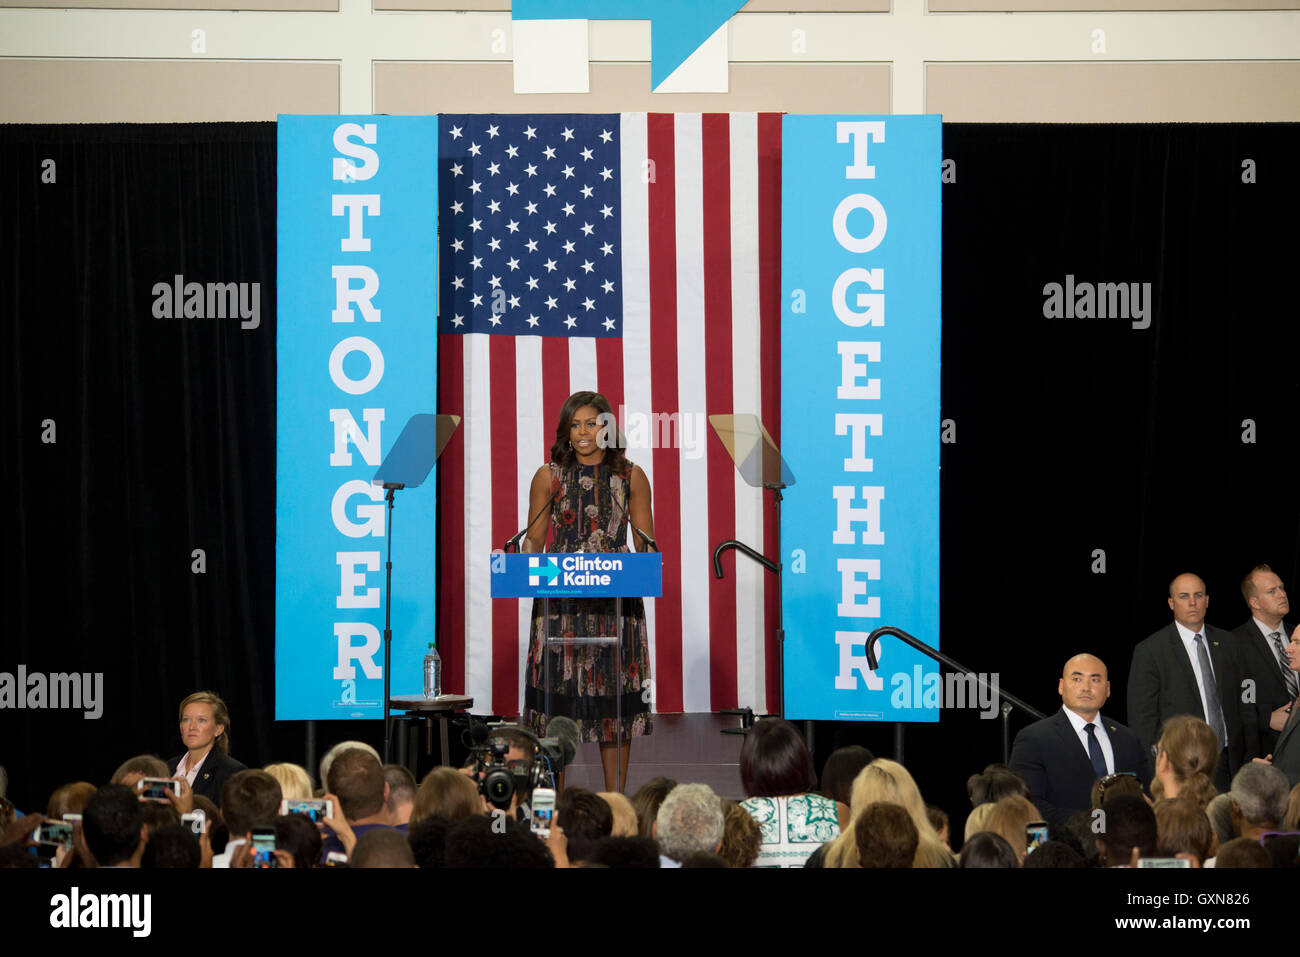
677	27
548	570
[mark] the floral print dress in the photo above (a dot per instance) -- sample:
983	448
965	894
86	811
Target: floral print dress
590	515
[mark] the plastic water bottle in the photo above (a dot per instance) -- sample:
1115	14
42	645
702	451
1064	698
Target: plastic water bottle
432	673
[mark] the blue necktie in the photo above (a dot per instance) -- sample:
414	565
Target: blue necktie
1094	752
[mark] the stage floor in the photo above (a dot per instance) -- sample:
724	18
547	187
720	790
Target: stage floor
689	748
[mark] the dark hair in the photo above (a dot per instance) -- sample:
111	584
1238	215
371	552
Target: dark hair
159	815
1113	785
1182	827
703	859
480	842
172	846
250	799
1284	850
1129	823
382	847
357	780
111	824
938	817
841	768
428	840
886	836
1242	852
774	760
585	818
297	834
646	801
150	765
562	453
1054	854
993	784
621	852
986	849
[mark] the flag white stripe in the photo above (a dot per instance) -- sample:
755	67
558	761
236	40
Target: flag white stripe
636	302
531	451
582	362
478	518
692	403
746	398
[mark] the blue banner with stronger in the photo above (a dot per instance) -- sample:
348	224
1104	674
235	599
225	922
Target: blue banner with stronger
356	358
577	575
860	272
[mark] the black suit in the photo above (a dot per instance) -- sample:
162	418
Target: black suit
214	772
1259	662
1162	684
1049	756
1286	755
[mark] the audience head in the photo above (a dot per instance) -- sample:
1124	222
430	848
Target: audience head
250	799
1054	854
938	818
1010	817
428	840
1128	822
625	823
448	794
382	847
741	838
993	784
158	815
774	760
113	826
1113	785
332	754
172	847
479	842
987	849
647	800
1291	820
295	783
1219	813
357	780
1186	755
625	852
977	819
1183	828
842	767
401	793
584	818
689	821
1284	851
297	834
888	781
1259	794
211	707
69	799
1242	852
886	836
141	766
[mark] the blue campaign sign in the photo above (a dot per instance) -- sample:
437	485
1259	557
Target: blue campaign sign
860	273
577	575
356	357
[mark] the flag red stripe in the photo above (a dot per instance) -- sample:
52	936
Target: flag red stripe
451	524
667	668
716	166
769	269
505	521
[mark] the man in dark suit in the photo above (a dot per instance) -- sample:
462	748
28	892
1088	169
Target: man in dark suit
1060	757
1261	643
1286	753
1189	667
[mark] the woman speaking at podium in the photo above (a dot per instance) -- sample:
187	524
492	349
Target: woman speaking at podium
592	493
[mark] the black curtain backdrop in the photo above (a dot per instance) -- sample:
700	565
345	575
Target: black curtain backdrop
1077	441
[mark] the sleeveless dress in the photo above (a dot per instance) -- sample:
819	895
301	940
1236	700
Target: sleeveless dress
590	515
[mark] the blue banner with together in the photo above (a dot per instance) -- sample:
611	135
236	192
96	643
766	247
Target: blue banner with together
860	414
356	358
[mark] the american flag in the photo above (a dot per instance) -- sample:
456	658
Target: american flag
637	255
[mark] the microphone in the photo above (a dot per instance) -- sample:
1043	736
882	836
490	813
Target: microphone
561	741
650	544
513	543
